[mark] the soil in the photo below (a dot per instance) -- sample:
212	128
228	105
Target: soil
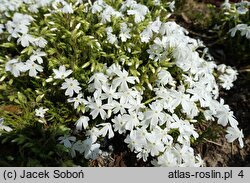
226	154
220	152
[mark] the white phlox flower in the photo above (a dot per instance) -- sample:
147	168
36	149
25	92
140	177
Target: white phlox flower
61	73
40	112
72	86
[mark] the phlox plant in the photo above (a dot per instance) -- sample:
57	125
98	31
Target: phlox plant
100	69
233	28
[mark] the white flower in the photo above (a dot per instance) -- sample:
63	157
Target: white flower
245	32
123	79
226	5
109	93
82	122
19	24
40	42
154	145
4	127
15	67
168	159
119	124
67	8
106	129
240	27
107	13
97	108
67	140
26	40
139	11
233	134
97	7
165	78
93	133
78	146
131	120
71	85
33	68
155	114
99	80
185	128
224	115
146	35
155	26
77	100
1	28
112	39
133	143
119	106
233	31
242	10
61	73
144	153
226	81
157	2
172	6
124	34
40	112
91	149
37	56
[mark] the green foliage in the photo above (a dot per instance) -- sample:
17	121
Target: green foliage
34	145
236	47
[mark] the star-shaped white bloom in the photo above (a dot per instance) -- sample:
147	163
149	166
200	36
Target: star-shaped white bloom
41	111
71	85
132	120
33	68
123	79
37	56
97	7
40	42
67	8
124	34
233	134
106	129
91	149
77	100
26	40
119	124
98	80
224	115
67	140
165	78
155	114
155	146
62	73
109	93
97	108
139	11
15	67
82	122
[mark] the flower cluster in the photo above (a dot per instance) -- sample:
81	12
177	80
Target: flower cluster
243	28
237	11
124	70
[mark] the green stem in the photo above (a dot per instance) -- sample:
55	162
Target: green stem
150	100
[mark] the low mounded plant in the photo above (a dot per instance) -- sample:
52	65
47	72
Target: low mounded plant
93	70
